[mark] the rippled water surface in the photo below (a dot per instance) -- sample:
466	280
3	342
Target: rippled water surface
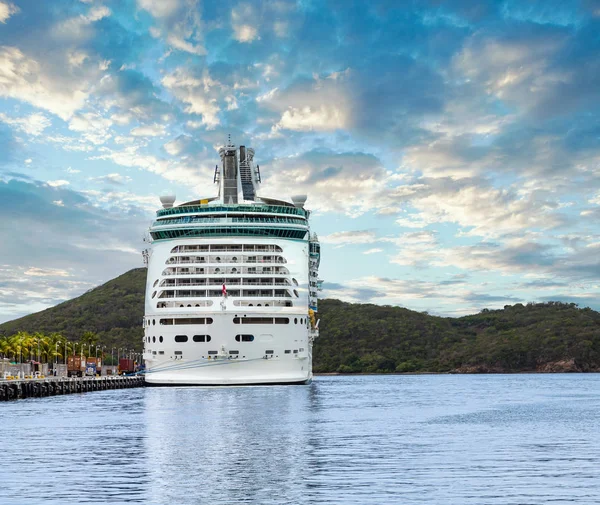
446	439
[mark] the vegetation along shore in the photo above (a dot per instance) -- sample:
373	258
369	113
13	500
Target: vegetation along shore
354	338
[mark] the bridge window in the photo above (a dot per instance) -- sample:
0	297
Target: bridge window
181	338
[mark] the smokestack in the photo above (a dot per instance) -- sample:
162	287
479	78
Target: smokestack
230	172
242	154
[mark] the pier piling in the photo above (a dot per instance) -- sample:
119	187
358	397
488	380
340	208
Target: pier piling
52	386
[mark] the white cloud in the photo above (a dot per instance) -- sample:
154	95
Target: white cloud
46	272
28	161
79	28
350	237
93	126
243	22
323	104
7	9
373	251
199	93
34	124
24	78
160	8
58	183
324	118
154	130
58	203
178	42
114	178
179	21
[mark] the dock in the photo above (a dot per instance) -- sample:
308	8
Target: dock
17	389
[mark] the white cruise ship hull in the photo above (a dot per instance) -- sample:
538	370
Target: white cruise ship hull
231	291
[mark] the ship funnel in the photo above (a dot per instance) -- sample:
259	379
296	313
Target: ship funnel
230	173
167	201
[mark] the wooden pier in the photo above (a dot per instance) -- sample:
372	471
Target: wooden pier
52	386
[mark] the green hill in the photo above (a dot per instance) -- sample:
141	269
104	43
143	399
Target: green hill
368	338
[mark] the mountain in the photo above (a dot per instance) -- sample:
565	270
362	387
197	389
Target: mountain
370	338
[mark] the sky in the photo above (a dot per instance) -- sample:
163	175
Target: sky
450	150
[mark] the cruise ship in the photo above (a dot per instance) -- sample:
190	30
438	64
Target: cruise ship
231	293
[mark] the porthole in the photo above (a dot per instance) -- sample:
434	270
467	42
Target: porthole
295	320
201	338
296	293
153	322
160	339
155	283
295	282
154	340
181	338
189	305
153	294
244	338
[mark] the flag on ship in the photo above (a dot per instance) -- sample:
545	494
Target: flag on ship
224	290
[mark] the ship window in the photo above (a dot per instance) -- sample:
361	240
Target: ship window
282	320
160	339
153	321
201	338
181	338
244	338
295	282
212	352
154	340
234	352
153	352
192	320
295	320
178	353
269	352
161	352
295	351
287	351
254	320
296	293
155	283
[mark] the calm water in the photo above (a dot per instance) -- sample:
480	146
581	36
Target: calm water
517	439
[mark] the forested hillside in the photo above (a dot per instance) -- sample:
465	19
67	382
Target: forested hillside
368	338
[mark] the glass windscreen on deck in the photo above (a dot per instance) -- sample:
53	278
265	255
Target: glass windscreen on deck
195	209
246	231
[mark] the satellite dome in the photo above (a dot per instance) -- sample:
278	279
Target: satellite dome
167	201
299	200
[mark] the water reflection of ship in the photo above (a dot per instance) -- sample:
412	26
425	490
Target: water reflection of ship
230	445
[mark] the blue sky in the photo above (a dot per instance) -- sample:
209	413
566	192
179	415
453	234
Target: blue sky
450	150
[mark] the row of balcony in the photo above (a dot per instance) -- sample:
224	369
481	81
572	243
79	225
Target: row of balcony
179	260
180	249
226	271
